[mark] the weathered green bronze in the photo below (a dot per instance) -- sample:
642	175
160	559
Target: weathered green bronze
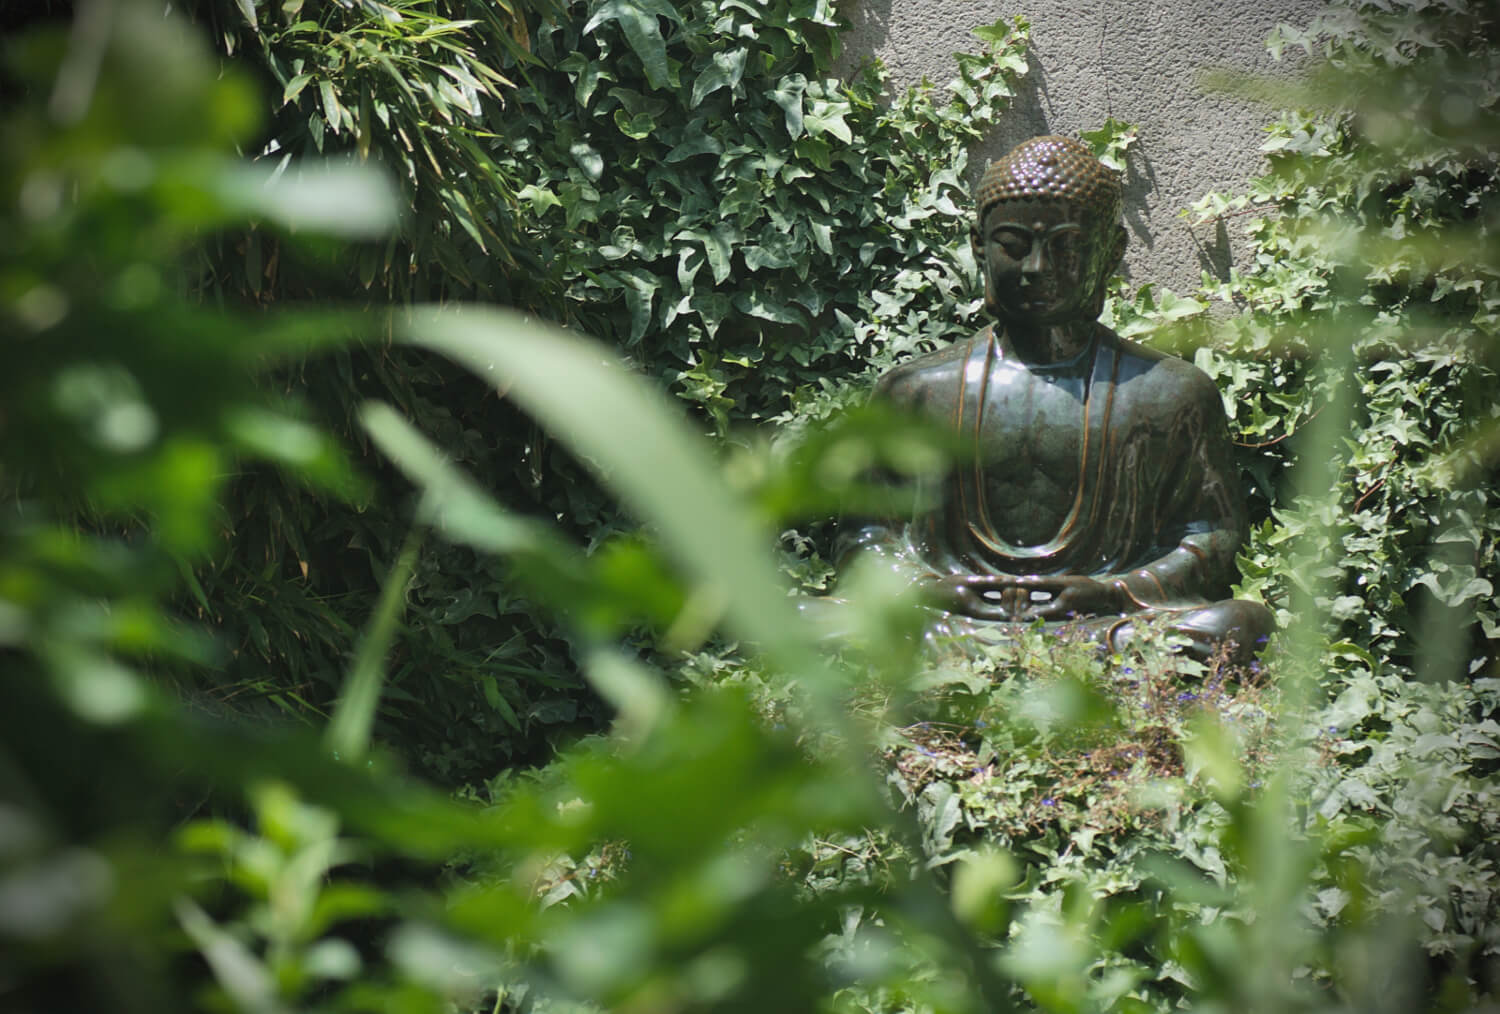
1101	491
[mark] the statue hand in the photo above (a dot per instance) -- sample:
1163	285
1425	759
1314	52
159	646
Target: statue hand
987	597
1000	598
1073	597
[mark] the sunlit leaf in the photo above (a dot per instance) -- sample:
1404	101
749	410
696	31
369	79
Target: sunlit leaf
347	200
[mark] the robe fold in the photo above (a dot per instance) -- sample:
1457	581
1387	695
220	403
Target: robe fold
1155	502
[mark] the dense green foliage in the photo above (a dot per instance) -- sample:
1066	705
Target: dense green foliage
730	215
746	229
759	829
415	88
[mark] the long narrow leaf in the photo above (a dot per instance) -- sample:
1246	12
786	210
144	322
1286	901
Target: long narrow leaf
614	421
348	735
454	505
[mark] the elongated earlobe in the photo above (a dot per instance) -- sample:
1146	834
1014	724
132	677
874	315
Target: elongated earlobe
1118	242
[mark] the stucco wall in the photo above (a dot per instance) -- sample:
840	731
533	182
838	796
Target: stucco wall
1135	60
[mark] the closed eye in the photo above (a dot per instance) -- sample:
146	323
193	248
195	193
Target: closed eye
1062	237
1016	244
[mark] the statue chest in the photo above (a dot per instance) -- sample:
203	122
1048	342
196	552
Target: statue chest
1030	454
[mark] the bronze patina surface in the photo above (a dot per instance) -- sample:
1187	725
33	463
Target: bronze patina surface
1101	490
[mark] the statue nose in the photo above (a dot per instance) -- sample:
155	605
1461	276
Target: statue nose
1032	264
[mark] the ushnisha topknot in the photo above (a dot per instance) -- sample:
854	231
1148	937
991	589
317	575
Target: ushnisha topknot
1052	167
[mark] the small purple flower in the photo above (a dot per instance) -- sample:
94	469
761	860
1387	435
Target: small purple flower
1187	696
1049	801
1127	670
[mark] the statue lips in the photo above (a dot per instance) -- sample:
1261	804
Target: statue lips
1035	300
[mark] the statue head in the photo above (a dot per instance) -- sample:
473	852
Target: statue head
1047	233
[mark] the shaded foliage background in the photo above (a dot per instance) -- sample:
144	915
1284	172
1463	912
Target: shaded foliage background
698	192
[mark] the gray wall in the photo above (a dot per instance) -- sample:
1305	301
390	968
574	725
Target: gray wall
1135	60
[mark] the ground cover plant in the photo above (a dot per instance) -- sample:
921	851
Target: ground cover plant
761	825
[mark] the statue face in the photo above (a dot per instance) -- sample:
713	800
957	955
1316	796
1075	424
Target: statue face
1045	261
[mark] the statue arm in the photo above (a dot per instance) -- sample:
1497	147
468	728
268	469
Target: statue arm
1201	513
882	539
860	536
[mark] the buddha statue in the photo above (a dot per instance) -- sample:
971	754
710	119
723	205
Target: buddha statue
1101	491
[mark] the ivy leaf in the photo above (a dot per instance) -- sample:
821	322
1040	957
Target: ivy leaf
717	245
540	197
640	290
688	263
788	95
997	32
1175	307
1111	142
637	20
699	142
754	304
775	250
588	159
638	127
588	79
1476	588
815	150
829	119
823	236
726	71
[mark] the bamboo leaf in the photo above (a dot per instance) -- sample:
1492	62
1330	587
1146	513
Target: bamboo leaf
332	111
348	735
294	87
247	8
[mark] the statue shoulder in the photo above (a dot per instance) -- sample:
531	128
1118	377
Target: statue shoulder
1168	378
918	381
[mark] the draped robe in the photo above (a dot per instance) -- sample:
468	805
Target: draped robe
1153	504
